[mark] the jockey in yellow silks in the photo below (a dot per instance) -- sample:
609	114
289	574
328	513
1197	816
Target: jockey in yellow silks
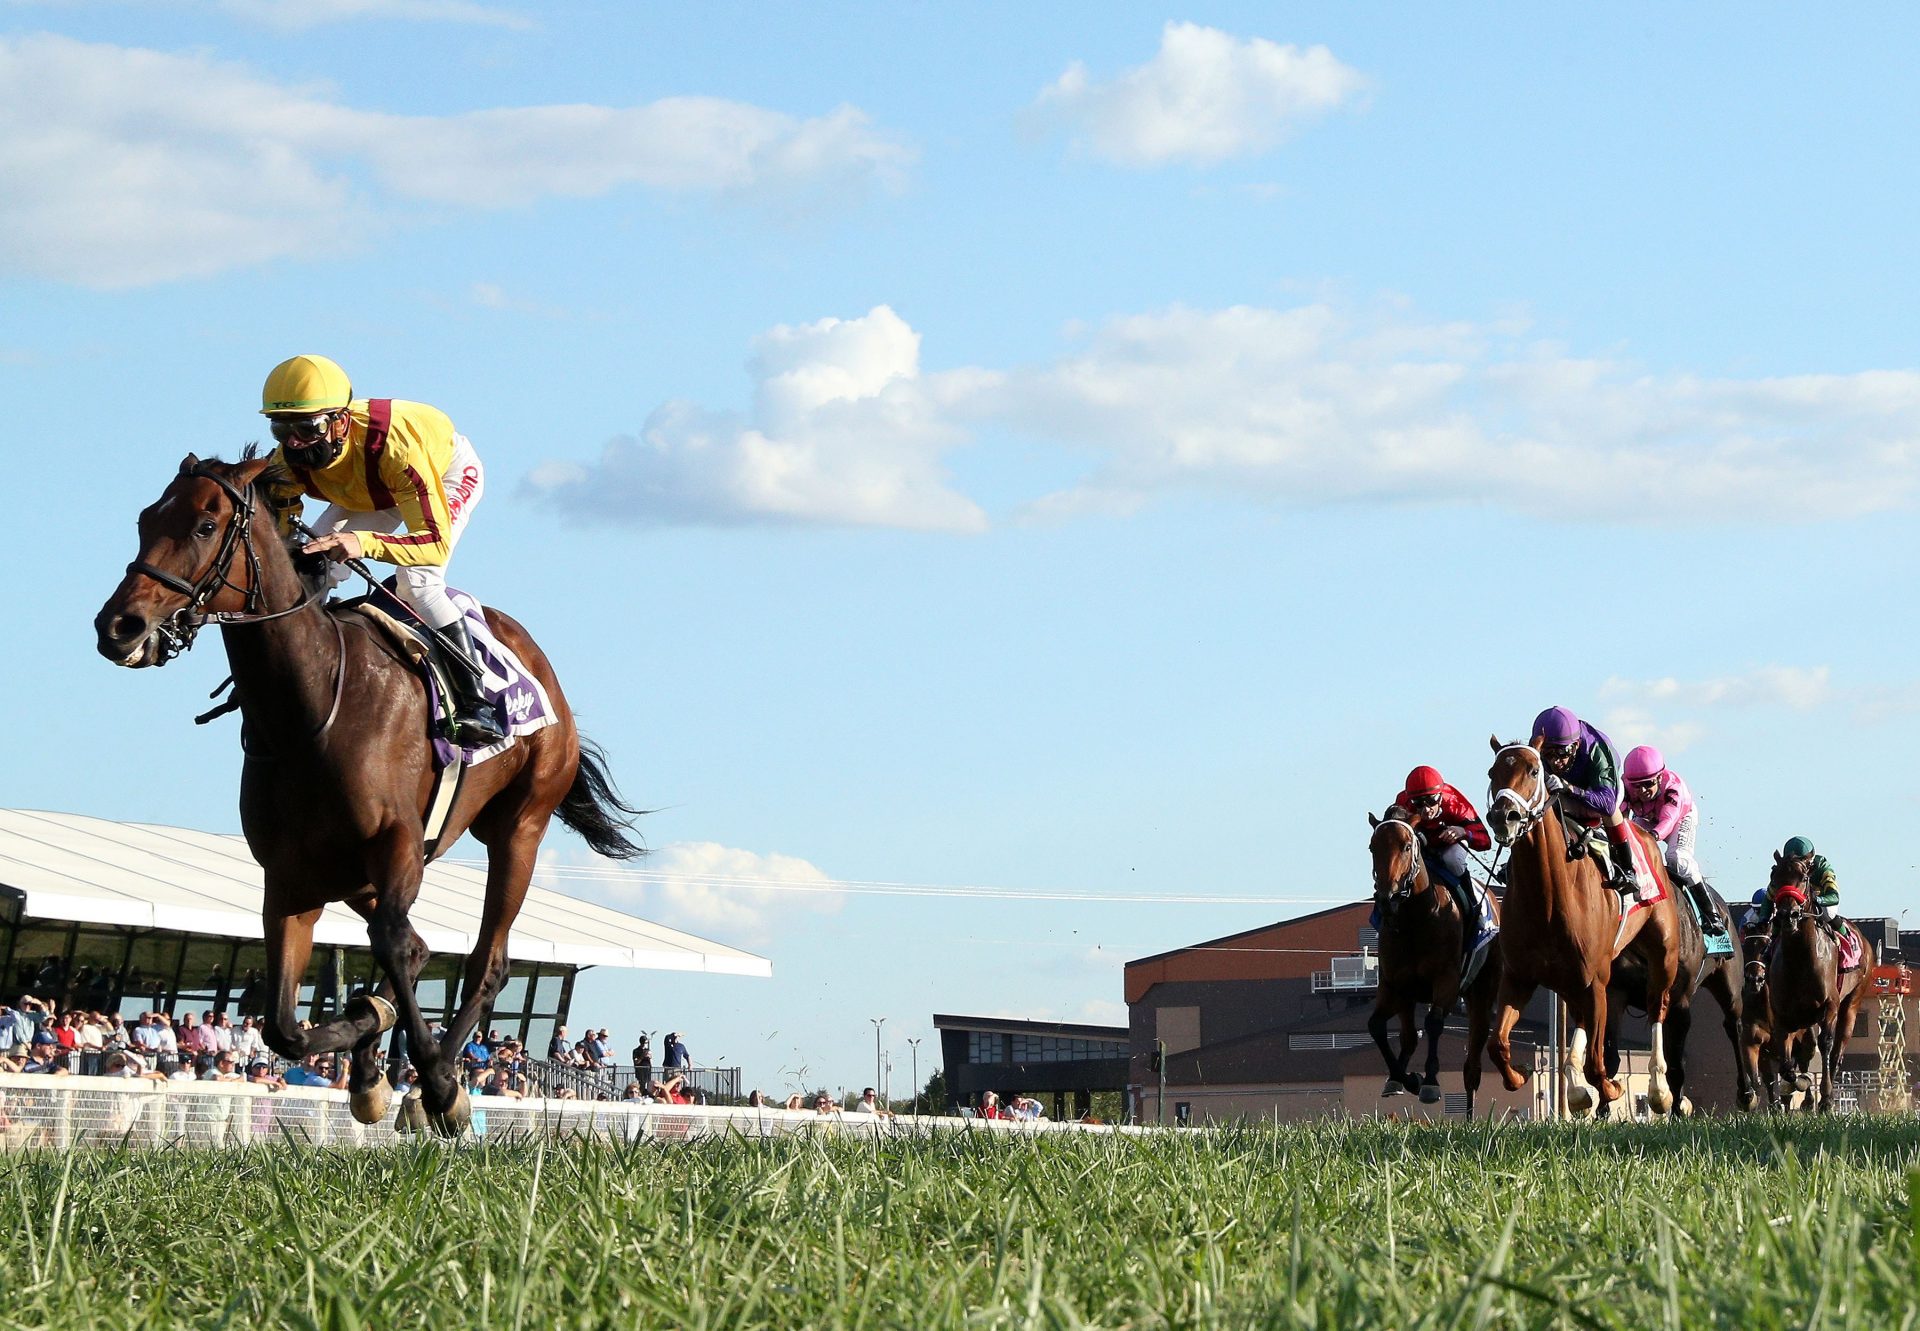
383	464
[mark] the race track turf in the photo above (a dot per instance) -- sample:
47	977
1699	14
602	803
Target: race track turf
1751	1223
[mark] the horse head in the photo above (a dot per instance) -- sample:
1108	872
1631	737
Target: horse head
187	572
1399	869
1517	789
1787	889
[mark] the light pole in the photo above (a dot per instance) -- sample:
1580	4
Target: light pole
879	1067
913	1043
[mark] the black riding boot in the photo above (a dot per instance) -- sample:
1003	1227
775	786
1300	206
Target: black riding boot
1620	860
1703	906
472	723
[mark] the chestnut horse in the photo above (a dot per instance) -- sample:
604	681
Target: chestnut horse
338	770
1422	953
1562	928
1718	975
1797	986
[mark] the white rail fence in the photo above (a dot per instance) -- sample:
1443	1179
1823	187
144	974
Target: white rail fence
59	1113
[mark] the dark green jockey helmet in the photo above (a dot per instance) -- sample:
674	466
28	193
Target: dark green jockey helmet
1796	847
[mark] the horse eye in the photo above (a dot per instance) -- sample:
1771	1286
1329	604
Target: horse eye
205	528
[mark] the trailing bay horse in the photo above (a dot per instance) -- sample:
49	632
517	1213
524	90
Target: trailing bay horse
1562	928
1718	975
338	770
1797	986
1422	944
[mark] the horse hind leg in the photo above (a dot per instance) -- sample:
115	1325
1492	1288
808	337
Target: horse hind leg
509	871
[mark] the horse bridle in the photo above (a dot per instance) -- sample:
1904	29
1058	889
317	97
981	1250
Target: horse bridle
1402	890
177	631
1531	810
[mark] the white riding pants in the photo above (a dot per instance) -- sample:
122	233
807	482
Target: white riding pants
422	586
1680	863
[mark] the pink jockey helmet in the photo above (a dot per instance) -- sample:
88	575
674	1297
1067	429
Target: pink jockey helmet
1644	764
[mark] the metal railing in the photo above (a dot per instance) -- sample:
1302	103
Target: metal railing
715	1085
1348	975
61	1113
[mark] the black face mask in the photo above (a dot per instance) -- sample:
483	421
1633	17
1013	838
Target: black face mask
321	453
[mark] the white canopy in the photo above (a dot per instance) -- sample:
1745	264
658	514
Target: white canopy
92	870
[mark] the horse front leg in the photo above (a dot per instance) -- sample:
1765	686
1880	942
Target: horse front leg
1659	1089
1377	1028
1824	1103
1479	1010
1513	998
1679	1027
1436	1023
289	948
1586	1052
1612	1055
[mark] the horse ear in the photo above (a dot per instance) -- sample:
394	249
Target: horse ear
189	462
1493	742
1371	820
245	473
1776	857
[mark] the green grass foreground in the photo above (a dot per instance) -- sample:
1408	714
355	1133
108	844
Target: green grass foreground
1751	1223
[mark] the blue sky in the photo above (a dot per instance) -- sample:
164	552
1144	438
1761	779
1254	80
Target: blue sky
1090	450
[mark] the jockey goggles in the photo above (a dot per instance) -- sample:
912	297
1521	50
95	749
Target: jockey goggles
301	429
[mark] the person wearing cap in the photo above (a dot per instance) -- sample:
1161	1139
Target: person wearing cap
1583	776
1659	801
381	464
676	1056
1449	825
1823	884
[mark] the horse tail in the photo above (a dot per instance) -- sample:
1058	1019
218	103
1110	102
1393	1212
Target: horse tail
594	809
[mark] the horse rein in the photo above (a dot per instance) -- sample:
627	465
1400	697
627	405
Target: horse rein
178	630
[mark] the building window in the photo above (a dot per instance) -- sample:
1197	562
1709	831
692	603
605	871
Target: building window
984	1047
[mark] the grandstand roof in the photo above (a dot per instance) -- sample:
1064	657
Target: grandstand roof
141	875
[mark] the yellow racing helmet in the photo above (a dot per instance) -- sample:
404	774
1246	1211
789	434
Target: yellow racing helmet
305	385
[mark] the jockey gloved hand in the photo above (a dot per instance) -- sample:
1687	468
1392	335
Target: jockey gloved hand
1450	836
1556	784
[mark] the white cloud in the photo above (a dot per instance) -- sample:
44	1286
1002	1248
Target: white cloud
1800	688
1311	406
121	166
1630	727
1305	406
1204	97
844	430
735	896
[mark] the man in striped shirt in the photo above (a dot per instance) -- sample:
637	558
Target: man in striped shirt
382	464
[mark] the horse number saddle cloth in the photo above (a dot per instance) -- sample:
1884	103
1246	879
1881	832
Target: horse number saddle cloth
1851	952
519	700
1584	840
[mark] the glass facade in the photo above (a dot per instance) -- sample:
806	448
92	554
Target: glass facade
106	968
991	1047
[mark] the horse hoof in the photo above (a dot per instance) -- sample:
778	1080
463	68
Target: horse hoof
412	1116
459	1114
383	1011
1513	1078
1429	1095
1610	1089
1580	1099
1685	1108
1392	1089
1659	1104
1802	1082
372	1104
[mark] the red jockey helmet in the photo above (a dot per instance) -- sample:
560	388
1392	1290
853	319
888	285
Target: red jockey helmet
1424	781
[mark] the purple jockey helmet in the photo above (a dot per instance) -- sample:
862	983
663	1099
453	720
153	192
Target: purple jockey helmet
1645	763
1557	726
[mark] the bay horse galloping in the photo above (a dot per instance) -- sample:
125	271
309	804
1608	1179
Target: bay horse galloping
1422	956
1796	987
338	770
1695	970
1562	928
